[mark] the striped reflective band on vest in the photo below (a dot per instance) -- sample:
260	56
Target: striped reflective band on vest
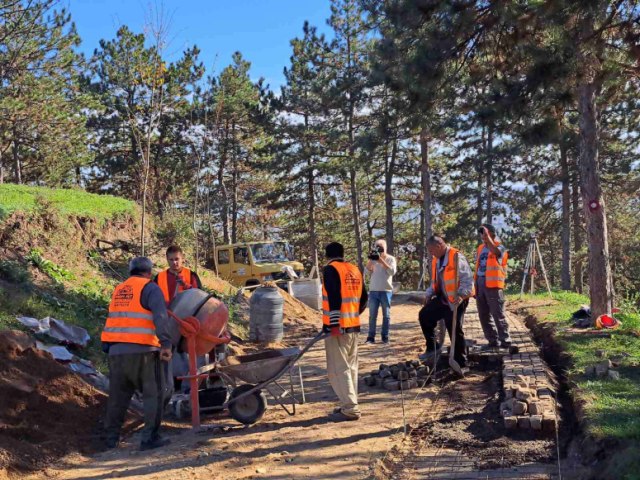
128	321
351	291
495	272
448	276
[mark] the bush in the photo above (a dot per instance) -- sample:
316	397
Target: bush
14	272
53	271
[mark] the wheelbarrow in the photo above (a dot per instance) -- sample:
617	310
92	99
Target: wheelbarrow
251	375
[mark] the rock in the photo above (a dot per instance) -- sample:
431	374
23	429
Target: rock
385	373
394	371
510	423
261	470
524	422
413	383
613	374
402	375
548	423
544	393
508	393
590	370
606	363
405	384
415	363
522	381
422	371
600	353
370	381
506	405
536	408
524	394
519	408
379	381
408	364
536	422
412	372
383	366
375	373
601	370
423	382
392	385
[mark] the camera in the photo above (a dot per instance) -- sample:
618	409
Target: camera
375	253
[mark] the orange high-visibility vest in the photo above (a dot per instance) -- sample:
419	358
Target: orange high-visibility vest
128	321
351	291
163	283
449	276
496	272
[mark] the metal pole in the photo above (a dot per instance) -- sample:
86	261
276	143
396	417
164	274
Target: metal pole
544	270
526	270
533	266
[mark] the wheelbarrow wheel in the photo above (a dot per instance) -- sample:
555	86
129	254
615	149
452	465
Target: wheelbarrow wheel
250	408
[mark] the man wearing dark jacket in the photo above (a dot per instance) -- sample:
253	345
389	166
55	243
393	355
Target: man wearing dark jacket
344	298
138	337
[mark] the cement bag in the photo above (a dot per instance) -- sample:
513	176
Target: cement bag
308	291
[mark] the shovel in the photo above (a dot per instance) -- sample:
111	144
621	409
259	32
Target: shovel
455	366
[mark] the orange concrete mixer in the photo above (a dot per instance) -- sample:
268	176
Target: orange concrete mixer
203	320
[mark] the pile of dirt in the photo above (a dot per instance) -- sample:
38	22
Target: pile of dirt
46	411
474	427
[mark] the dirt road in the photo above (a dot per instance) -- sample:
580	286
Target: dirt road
304	446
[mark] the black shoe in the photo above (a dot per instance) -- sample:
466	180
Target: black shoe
490	348
370	341
385	341
155	443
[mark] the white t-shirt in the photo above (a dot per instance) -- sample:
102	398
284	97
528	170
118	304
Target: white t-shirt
381	277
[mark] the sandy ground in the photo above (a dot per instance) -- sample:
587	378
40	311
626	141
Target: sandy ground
306	445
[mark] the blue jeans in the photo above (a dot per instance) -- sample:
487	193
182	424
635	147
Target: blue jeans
379	299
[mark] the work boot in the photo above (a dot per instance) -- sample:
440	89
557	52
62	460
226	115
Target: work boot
429	355
370	341
489	348
340	416
155	443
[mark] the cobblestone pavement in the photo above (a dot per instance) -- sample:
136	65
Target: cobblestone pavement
527	387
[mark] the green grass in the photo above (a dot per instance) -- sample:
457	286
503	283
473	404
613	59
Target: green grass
68	202
612	407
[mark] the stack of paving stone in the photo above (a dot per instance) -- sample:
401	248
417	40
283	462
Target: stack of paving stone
528	403
403	375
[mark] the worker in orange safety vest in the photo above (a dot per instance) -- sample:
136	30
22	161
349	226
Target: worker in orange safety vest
490	277
344	298
447	264
177	278
138	337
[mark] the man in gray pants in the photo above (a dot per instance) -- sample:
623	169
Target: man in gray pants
490	277
138	338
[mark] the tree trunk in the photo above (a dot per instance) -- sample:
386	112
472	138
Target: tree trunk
600	281
565	277
355	211
479	164
311	213
17	164
489	175
224	193
425	178
234	188
389	173
577	228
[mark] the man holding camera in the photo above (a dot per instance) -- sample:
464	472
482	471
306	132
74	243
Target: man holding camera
490	276
382	267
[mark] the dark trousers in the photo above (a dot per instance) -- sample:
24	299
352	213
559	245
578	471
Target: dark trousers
128	373
429	317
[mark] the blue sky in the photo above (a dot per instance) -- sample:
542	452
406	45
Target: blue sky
260	29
